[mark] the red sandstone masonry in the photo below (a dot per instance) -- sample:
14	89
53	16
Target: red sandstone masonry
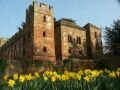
28	42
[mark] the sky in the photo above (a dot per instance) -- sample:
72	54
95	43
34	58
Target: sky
98	12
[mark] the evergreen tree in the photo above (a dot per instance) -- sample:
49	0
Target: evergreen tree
112	37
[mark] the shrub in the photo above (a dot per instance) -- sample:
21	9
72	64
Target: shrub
3	64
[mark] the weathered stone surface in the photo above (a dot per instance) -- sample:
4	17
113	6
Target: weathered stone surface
94	42
39	39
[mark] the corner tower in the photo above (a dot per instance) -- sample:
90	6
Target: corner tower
93	40
41	18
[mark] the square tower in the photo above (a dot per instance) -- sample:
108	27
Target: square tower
93	40
41	19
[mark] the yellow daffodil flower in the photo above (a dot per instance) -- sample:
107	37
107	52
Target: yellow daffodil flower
37	75
87	78
11	83
5	77
112	74
15	76
45	78
53	79
22	78
28	77
78	76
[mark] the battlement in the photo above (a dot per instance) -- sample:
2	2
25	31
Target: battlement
43	5
40	6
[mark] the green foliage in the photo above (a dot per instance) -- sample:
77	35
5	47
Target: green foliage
38	63
68	64
43	65
68	19
112	37
101	65
3	64
118	1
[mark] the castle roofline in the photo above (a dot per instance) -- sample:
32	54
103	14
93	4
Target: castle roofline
69	23
91	25
42	4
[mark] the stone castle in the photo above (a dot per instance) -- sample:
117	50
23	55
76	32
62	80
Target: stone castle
43	38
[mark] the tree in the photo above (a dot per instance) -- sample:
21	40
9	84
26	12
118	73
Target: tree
69	19
119	1
112	37
3	64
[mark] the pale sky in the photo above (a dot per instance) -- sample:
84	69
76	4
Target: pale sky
98	12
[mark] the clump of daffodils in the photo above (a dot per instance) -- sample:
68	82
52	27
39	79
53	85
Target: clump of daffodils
85	75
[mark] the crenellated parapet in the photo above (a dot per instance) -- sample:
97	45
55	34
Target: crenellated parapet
39	8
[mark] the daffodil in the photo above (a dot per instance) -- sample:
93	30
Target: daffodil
101	71
51	73
58	77
22	78
80	72
78	76
107	71
45	78
118	73
37	75
87	78
66	72
64	77
47	73
87	71
112	74
5	77
118	69
11	83
28	77
15	76
55	73
72	74
95	73
53	79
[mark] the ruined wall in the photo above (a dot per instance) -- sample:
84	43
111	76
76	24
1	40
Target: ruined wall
63	40
44	43
94	42
58	44
67	46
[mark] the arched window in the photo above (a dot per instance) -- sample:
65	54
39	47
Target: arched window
44	34
78	40
95	34
69	51
44	49
69	38
44	19
80	52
